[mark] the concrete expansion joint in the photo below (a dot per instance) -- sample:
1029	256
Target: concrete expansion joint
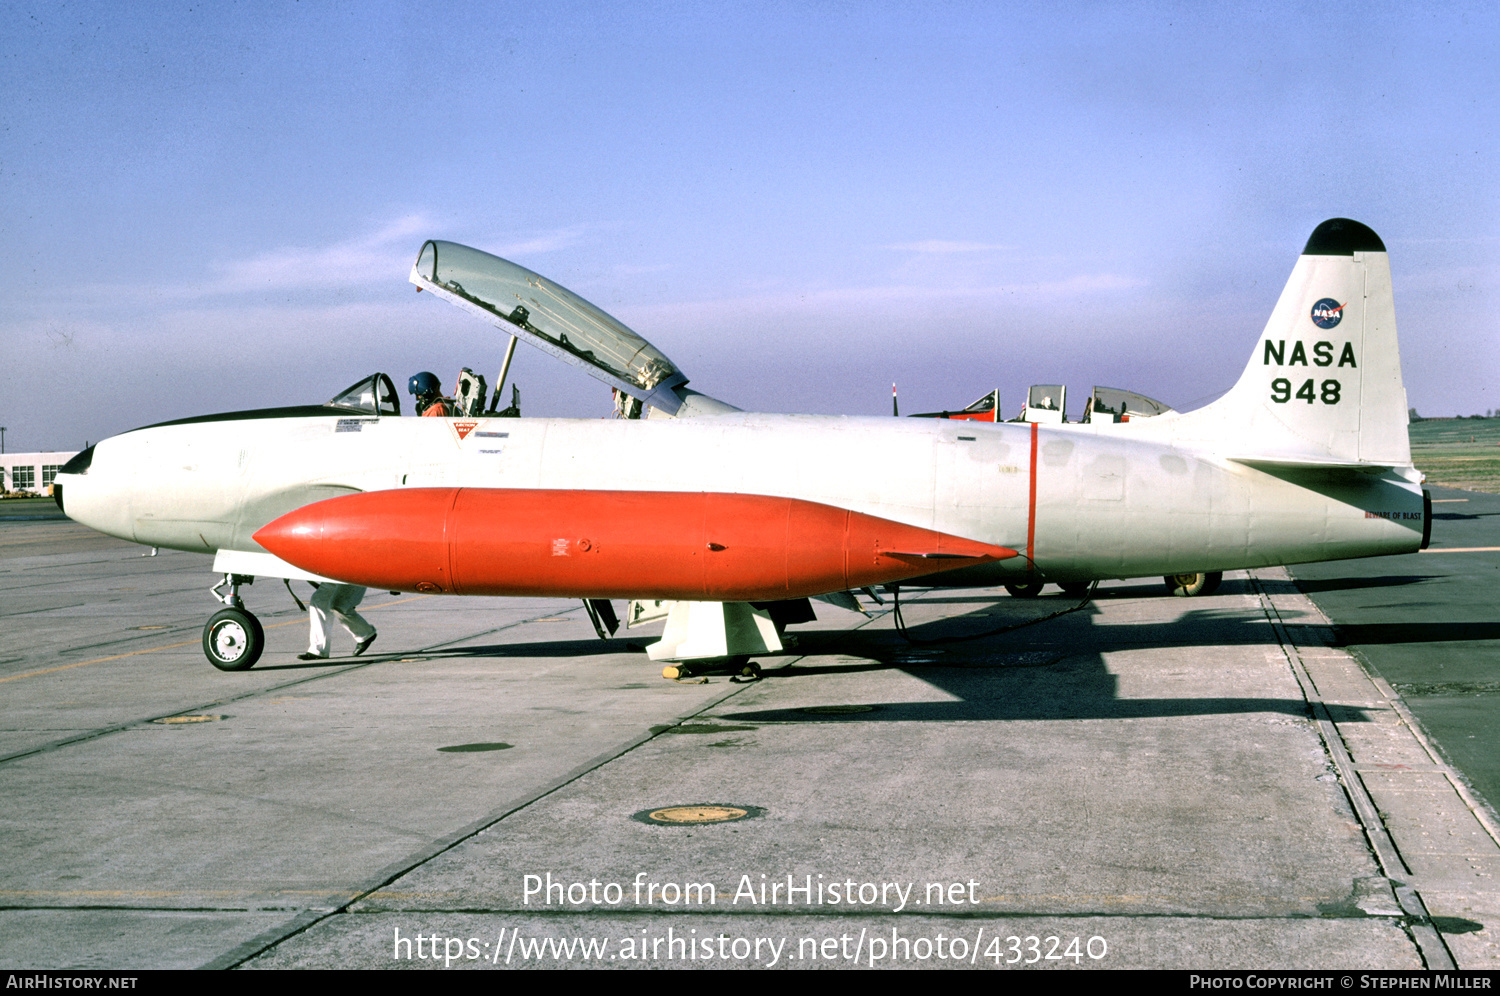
309	918
121	908
1430	944
148	722
926	913
1482	813
328	672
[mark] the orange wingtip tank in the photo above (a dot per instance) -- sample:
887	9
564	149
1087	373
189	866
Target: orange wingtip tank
608	544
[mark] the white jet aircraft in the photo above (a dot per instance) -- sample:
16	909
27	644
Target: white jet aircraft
725	515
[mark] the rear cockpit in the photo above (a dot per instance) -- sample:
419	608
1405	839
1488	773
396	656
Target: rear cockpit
1049	403
1111	404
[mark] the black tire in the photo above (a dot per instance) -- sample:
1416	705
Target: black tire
1190	585
1075	588
233	640
1024	590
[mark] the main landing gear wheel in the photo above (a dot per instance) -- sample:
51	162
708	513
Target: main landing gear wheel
1024	590
233	640
1074	588
1188	585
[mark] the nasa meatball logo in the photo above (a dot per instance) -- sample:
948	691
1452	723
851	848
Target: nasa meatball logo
1327	313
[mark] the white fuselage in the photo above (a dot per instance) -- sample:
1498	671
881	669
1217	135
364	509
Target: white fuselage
1098	501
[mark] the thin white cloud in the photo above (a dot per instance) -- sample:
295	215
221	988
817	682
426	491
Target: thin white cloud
379	258
562	238
382	255
254	327
886	296
944	247
1464	279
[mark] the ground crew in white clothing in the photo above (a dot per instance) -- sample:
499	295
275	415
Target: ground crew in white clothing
340	601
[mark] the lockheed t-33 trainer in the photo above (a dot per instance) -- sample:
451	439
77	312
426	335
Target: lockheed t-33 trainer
729	515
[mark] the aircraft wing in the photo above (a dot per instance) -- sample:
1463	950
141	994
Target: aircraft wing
265	565
551	318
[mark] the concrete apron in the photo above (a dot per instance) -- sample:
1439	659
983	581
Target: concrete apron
1436	842
1092	791
1133	784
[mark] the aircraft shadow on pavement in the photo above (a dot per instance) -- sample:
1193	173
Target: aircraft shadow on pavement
591	647
344	661
1235	586
1370	634
1054	670
1310	586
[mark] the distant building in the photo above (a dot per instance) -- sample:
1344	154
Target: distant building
32	472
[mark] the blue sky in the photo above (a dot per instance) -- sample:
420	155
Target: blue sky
214	207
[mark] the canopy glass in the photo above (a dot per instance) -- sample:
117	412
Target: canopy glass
545	313
375	395
1123	405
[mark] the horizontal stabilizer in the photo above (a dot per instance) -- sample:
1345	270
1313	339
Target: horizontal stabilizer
1263	463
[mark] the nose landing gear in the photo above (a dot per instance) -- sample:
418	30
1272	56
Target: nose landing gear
233	638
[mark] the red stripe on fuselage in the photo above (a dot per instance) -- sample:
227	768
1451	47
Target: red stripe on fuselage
1031	507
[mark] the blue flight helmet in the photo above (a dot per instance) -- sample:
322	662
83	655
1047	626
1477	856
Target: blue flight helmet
424	383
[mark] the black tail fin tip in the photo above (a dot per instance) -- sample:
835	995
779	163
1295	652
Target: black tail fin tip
1342	237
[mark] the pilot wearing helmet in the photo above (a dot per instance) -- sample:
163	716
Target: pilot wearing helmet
429	393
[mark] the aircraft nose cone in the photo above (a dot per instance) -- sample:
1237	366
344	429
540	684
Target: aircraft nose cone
99	492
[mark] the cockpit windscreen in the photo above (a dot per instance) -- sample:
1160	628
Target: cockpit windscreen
375	395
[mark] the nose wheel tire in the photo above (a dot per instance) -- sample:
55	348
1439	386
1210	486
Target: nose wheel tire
1074	588
233	640
1024	590
1188	585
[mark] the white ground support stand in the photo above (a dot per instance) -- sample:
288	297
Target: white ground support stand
704	630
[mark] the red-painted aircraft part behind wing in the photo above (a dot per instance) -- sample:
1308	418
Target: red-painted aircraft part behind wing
608	544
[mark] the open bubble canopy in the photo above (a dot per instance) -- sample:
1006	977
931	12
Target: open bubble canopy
550	317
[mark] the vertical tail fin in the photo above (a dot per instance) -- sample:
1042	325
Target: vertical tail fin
1324	384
